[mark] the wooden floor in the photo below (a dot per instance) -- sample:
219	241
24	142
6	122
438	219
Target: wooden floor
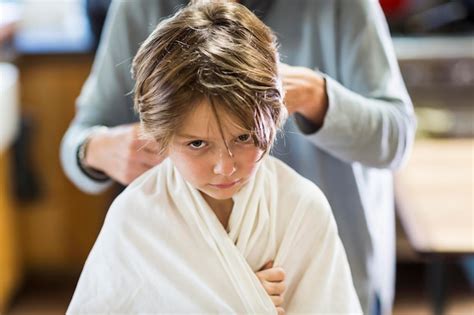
41	298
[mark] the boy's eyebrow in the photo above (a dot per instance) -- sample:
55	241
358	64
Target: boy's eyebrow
189	136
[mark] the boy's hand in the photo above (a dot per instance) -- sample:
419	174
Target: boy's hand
272	279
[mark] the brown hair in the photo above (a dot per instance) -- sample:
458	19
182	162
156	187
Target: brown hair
215	50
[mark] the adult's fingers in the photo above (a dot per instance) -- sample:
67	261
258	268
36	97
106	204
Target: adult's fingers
287	70
130	172
294	82
149	158
147	145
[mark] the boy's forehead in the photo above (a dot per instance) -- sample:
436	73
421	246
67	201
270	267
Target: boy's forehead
202	122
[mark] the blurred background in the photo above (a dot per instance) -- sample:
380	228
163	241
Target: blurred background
47	226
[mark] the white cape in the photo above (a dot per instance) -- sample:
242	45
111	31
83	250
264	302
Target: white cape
163	251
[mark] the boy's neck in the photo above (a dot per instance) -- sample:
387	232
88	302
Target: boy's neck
222	208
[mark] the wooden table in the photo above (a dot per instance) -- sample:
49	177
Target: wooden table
435	204
435	196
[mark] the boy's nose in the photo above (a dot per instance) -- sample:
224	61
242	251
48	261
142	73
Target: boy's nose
225	164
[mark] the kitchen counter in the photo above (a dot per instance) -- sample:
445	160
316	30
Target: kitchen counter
433	47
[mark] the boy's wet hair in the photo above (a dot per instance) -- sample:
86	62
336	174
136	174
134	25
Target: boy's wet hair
216	51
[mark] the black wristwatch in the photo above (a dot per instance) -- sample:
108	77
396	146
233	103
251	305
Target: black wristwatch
81	158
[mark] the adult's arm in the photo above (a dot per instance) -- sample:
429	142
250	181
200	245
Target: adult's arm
105	99
370	116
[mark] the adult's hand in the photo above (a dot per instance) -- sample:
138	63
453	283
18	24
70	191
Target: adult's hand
273	281
119	153
305	92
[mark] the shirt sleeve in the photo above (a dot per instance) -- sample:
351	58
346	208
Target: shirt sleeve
370	117
105	98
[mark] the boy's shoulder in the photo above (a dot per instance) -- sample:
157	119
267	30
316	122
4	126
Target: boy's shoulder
294	186
140	197
288	179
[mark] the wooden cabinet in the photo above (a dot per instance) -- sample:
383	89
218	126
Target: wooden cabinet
58	226
10	267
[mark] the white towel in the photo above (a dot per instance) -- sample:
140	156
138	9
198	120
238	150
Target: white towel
162	250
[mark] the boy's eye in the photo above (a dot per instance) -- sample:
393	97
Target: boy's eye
197	144
244	138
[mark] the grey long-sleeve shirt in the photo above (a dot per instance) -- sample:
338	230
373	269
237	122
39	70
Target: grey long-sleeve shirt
368	130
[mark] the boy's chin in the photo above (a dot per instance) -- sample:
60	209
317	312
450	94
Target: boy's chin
223	195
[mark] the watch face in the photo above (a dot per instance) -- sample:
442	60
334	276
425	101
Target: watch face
81	152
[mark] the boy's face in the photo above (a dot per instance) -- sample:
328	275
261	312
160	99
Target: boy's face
200	154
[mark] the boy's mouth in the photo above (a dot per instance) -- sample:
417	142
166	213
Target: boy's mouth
225	185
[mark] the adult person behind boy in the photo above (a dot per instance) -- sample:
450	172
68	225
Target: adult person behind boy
353	121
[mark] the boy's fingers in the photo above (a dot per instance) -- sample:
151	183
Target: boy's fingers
275	274
277	300
268	265
274	288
